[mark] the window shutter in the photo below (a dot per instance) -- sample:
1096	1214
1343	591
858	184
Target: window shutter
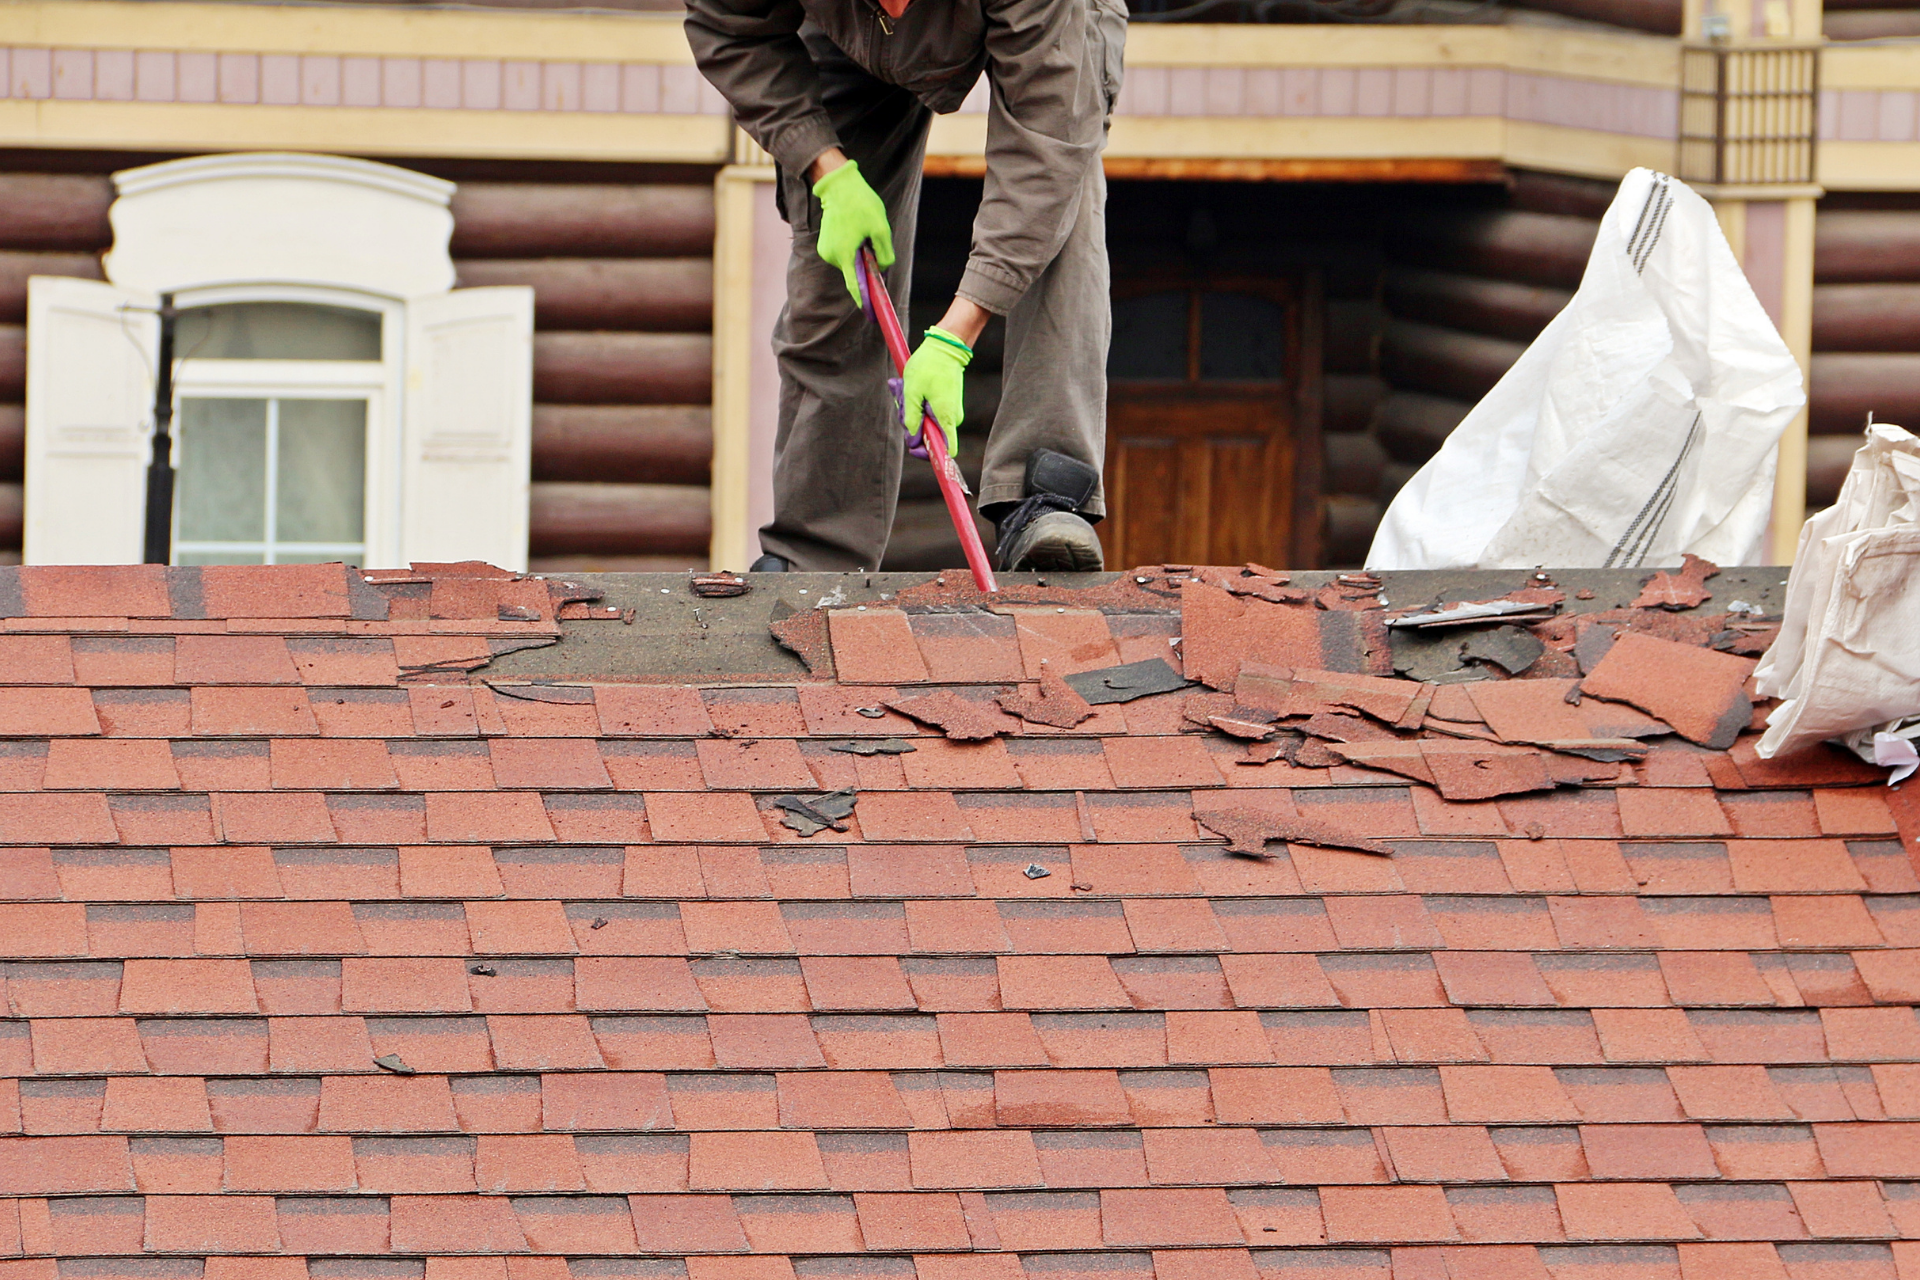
468	427
89	416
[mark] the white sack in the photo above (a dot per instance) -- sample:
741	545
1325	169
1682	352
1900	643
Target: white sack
1640	424
1848	654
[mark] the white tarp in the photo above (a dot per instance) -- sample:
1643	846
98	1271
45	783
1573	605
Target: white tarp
1847	659
1640	424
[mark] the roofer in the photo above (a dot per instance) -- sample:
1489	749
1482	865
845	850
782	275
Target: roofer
842	93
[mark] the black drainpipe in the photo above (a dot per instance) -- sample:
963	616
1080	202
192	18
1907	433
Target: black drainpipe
159	540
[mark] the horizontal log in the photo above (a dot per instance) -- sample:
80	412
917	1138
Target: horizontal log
17	266
1353	328
1845	387
1424	357
1662	17
1348	527
1866	246
13	363
1871	24
1828	459
1866	317
1538	192
542	220
55	211
1506	244
1498	308
1413	426
1348	401
671	295
619	519
622	368
13	505
1355	463
696	561
632	444
13	441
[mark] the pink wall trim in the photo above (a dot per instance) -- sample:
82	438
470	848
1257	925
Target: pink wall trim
471	84
1401	92
1765	258
1869	115
327	80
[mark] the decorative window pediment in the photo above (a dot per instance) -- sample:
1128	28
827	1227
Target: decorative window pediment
336	397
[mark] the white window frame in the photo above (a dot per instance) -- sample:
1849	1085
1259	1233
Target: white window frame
379	383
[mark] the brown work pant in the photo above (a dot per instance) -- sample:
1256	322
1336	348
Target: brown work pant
840	444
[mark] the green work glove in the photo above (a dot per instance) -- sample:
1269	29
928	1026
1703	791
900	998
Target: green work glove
935	378
850	215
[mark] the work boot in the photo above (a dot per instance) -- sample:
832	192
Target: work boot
769	563
1046	532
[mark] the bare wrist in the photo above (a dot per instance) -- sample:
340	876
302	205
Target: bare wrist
825	163
966	320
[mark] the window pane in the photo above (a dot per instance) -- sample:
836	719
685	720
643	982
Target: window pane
1242	336
322	481
223	470
277	331
219	557
1149	337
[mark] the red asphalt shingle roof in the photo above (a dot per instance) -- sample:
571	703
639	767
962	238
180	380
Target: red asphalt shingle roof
328	959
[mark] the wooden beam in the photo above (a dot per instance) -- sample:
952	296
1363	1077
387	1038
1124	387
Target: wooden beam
1230	170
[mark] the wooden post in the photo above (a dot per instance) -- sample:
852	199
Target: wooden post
736	196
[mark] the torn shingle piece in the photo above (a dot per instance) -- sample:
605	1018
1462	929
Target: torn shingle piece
1221	632
1245	730
1458	770
1468	771
1543	711
874	747
1403	756
803	633
1702	694
961	719
1683	590
1127	681
1509	648
1248	831
1057	704
1306	692
814	814
1338	726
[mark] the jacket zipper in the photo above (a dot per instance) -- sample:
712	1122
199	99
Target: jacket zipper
881	14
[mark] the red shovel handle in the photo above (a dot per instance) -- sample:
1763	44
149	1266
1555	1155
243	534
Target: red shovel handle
953	486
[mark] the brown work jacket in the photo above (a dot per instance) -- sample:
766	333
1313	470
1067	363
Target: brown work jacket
1053	65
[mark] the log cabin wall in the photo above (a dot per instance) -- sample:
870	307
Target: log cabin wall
620	260
622	274
1866	328
51	224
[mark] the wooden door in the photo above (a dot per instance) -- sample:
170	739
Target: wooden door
1213	423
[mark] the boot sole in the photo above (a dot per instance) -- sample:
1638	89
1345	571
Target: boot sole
1058	542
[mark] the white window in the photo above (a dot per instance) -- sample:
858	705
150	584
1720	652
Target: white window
336	399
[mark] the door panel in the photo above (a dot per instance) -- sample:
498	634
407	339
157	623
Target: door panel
1198	481
1212	424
